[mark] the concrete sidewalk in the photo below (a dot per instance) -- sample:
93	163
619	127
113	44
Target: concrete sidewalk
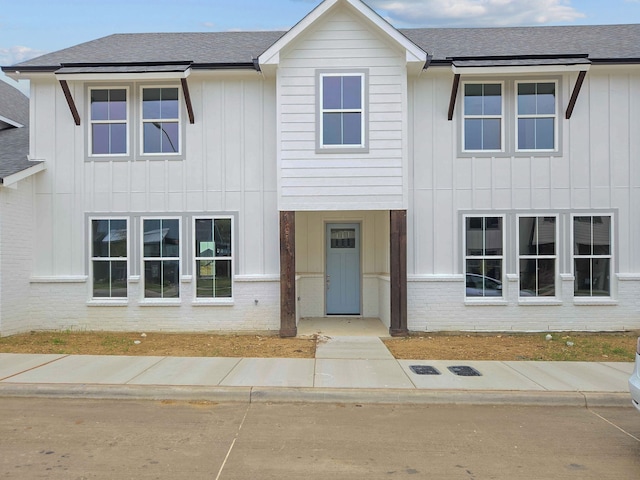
346	369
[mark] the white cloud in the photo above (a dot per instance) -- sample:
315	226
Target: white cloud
476	12
17	54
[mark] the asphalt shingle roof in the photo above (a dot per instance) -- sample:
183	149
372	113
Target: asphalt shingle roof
599	42
14	142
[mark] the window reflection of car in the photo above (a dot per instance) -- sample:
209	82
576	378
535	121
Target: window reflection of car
481	286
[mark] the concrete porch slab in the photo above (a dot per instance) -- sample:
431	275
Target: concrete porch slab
342	327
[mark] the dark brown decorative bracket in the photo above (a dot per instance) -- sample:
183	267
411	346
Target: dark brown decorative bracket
454	95
70	102
187	99
576	92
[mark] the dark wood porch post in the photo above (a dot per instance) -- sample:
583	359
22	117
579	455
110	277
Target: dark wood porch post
288	326
398	260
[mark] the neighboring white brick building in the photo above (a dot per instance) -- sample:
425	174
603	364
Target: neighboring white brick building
438	179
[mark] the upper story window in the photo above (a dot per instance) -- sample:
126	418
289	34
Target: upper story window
160	120
484	255
592	256
514	117
342	122
536	116
483	117
109	117
109	258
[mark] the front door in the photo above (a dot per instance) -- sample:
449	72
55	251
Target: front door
342	277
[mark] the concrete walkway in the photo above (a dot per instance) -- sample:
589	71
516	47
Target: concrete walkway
346	369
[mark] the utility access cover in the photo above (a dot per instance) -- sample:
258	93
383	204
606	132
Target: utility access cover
424	370
464	371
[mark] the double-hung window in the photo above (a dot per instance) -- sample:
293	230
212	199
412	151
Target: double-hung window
342	114
537	255
214	257
592	255
109	117
483	117
161	257
160	120
536	116
484	256
109	258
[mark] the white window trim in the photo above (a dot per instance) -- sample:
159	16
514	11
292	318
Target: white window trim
557	284
555	116
103	122
501	116
213	300
484	300
143	120
586	299
160	300
362	110
108	300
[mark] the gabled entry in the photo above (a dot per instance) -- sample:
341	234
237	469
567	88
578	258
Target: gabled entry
342	273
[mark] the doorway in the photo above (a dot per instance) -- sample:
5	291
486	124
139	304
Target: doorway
342	270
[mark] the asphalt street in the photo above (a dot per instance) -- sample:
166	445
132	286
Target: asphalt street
75	439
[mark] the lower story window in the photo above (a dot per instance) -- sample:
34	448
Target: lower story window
537	255
213	257
109	258
161	258
592	256
483	256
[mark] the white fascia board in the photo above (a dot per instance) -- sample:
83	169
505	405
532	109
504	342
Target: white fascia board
414	53
86	77
8	121
271	56
10	180
519	70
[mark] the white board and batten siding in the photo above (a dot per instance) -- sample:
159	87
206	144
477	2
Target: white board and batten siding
595	172
228	168
375	180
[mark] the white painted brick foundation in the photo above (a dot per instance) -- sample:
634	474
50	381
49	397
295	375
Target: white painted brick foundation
438	304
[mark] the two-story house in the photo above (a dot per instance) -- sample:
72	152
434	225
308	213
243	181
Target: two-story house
436	179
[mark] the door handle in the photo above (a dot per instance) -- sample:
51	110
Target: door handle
328	281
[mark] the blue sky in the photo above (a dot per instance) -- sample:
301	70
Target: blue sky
62	23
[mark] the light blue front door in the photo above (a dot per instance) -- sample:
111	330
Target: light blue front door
342	277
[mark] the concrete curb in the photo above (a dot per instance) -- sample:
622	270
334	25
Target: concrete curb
318	395
128	392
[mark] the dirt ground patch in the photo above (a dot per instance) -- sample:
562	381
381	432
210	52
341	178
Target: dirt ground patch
585	347
159	344
599	347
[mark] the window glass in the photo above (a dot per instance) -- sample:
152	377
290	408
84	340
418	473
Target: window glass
592	255
161	247
537	239
108	121
342	110
483	252
161	126
109	258
536	116
482	116
213	249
